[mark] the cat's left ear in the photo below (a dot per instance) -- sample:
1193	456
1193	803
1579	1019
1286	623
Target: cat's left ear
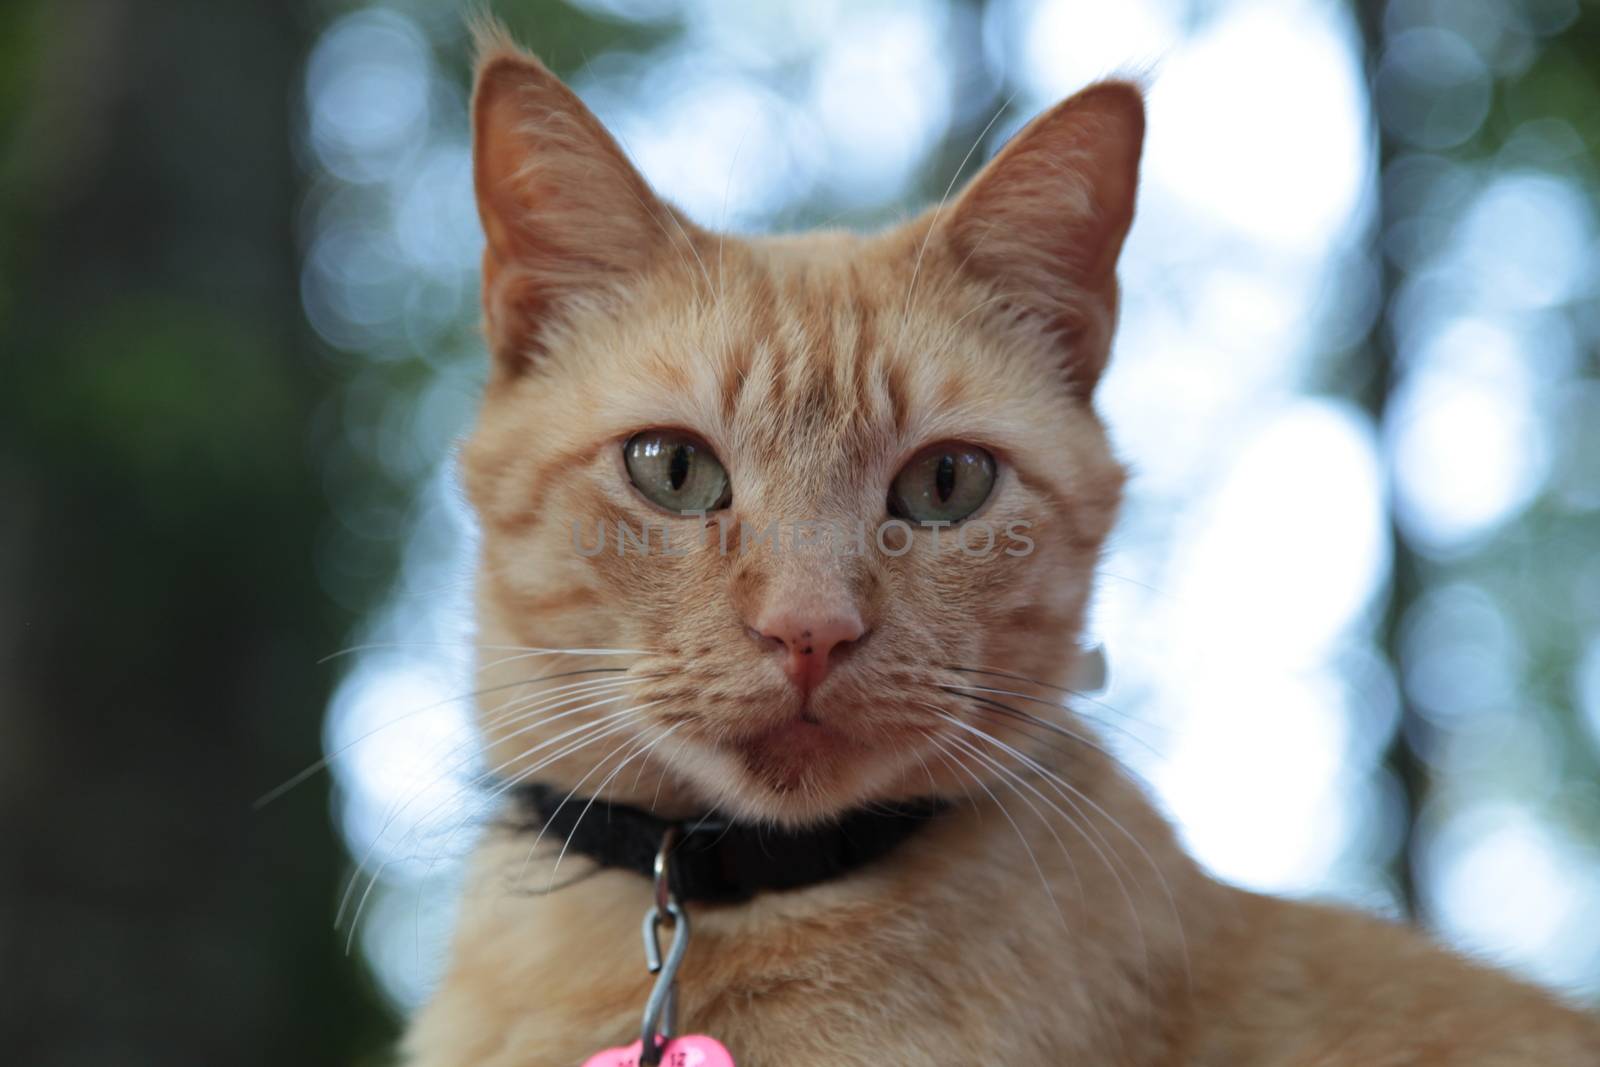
1044	222
568	218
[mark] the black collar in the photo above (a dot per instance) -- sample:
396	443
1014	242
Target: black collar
715	860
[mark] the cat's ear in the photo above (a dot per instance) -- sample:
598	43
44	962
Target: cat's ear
1044	222
567	217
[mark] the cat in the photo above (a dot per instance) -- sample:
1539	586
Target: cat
645	371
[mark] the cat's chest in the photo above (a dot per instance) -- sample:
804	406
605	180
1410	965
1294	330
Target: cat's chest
780	990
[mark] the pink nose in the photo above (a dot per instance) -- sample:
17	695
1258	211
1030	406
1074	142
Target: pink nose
809	641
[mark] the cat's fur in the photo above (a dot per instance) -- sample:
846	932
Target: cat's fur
1064	927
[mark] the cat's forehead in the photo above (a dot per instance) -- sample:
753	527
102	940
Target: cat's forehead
821	339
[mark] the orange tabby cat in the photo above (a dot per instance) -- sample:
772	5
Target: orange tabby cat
940	372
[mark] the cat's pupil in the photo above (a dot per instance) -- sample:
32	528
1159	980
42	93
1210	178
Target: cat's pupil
678	467
944	479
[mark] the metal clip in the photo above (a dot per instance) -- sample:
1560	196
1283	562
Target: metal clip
661	1009
663	875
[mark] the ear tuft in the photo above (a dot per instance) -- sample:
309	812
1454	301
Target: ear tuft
1044	222
491	40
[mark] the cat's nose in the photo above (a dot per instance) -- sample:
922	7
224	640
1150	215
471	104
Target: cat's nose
810	641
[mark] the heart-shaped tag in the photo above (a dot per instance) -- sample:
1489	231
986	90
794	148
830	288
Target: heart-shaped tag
695	1050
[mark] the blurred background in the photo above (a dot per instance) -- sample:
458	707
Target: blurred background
1353	610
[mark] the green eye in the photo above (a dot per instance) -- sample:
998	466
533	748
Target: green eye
676	471
945	483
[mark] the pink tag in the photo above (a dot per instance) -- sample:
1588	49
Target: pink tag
695	1050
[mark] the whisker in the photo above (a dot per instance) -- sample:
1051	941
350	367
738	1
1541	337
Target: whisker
1127	897
518	710
1023	716
1079	694
1060	783
1056	706
1011	781
544	704
1023	838
643	751
573	792
661	779
933	787
375	645
629	716
1101	573
538	707
383	830
916	269
278	791
944	759
533	718
377	874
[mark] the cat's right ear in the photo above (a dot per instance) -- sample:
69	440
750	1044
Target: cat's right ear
567	218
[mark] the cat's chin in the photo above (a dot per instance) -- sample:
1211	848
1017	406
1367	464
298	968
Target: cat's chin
786	751
796	773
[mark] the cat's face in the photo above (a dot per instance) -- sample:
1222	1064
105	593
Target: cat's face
789	651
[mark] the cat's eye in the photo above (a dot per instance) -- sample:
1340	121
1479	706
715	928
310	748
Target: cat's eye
944	483
676	471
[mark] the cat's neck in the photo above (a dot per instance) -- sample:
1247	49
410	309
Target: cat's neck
1095	914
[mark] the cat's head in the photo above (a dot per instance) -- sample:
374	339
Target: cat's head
797	644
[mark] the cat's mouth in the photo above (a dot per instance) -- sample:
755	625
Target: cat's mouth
801	733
